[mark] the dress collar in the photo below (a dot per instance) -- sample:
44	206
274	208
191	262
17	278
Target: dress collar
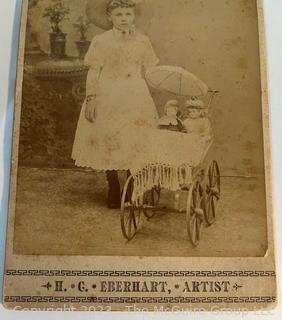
123	35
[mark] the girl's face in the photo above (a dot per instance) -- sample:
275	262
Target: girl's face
122	18
194	113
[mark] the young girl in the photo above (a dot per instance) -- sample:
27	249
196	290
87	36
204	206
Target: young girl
118	105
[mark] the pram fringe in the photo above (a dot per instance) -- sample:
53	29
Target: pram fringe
160	175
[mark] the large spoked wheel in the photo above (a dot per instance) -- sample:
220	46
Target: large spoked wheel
130	212
151	200
195	212
211	191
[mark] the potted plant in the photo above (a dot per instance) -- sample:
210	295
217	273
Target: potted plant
57	12
82	26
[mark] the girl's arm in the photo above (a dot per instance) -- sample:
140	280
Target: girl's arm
94	60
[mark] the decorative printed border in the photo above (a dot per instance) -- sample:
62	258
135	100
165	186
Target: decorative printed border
140	300
104	273
45	299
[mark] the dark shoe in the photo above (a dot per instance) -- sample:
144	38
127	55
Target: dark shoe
113	199
113	205
114	190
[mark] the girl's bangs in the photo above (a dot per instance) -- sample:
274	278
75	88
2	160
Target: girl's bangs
120	4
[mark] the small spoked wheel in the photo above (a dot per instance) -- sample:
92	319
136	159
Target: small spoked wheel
151	200
130	212
195	212
211	191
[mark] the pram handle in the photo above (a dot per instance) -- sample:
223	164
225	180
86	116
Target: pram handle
213	94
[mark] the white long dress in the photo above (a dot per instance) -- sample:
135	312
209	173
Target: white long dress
125	108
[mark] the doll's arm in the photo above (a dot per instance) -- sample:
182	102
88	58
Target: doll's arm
186	128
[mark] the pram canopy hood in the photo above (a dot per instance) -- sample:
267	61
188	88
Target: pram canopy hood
176	80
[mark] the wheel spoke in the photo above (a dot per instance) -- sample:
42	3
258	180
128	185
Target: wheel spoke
211	191
151	199
194	198
198	227
195	211
130	214
127	217
211	211
129	224
199	202
194	230
208	206
210	173
134	220
216	194
213	172
213	205
217	178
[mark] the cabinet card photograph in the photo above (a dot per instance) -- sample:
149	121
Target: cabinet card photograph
141	163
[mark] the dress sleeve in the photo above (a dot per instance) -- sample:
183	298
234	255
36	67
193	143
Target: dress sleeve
150	57
93	59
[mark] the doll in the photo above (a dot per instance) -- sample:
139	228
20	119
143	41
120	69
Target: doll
195	119
171	120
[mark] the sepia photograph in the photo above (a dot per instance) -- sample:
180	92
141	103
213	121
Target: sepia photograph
141	130
141	158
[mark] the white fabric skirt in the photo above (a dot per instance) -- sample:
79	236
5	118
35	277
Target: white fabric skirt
115	141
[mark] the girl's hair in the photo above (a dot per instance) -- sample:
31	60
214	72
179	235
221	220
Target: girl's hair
120	4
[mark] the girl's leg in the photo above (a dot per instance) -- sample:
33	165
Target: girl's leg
114	189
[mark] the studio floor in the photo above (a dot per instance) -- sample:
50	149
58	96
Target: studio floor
63	212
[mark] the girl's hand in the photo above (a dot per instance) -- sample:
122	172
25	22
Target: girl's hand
91	110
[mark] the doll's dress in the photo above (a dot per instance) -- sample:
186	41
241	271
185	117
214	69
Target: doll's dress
170	123
200	126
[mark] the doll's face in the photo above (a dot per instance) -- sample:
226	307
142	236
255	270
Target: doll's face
122	18
172	111
194	113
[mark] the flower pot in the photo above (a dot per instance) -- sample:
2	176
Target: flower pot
58	45
82	48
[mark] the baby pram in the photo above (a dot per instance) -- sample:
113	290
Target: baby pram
177	163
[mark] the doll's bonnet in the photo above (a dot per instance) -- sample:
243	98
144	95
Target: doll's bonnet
195	104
